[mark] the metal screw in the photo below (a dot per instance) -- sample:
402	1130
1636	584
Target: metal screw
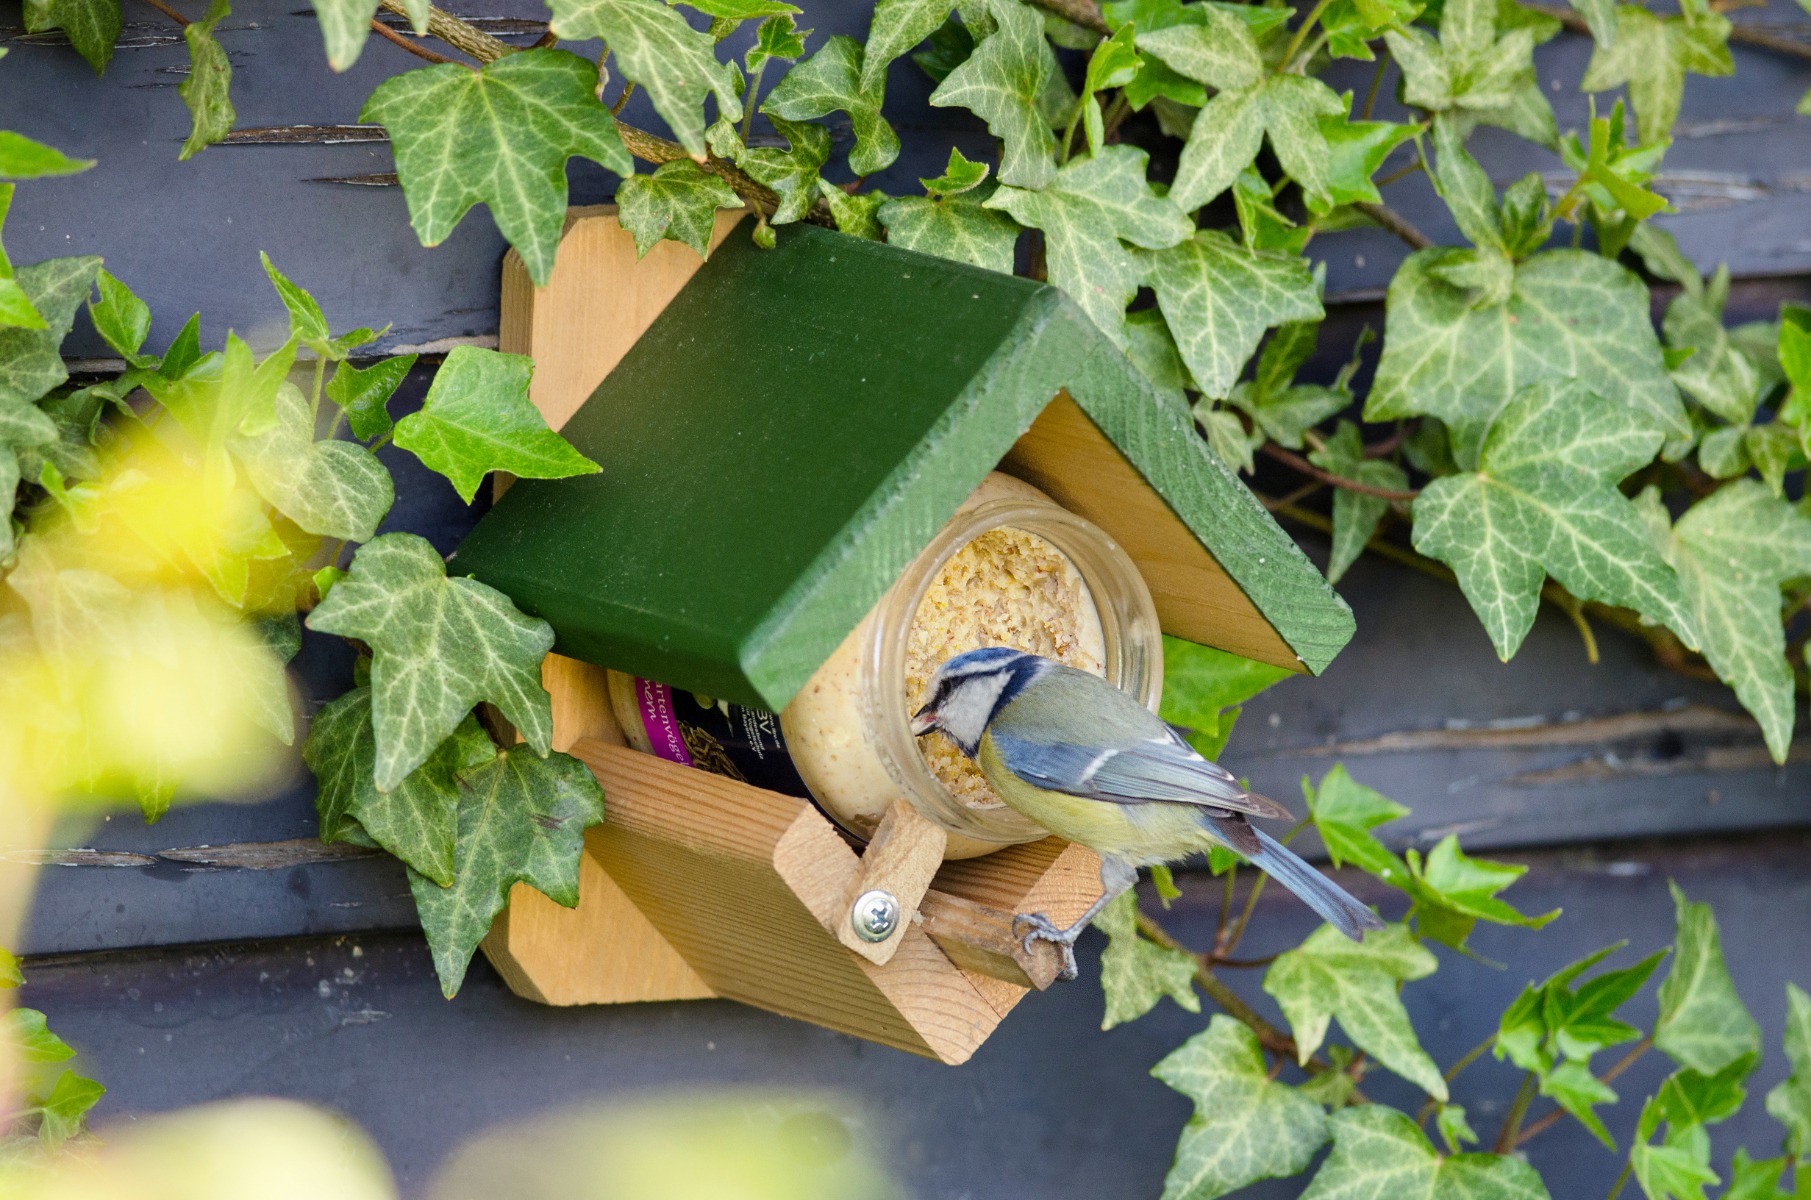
875	915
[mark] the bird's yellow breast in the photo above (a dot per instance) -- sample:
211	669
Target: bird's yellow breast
1137	833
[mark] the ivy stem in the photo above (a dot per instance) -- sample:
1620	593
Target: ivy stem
748	100
1226	901
1512	1124
1296	462
1548	1120
1301	34
314	399
1622	1180
1396	223
167	11
1269	1036
460	35
1396	176
410	44
622	101
1085	13
1452	1073
1383	65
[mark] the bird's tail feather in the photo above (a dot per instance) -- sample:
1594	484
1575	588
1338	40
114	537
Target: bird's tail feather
1332	902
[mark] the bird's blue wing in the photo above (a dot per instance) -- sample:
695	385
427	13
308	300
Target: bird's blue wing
1165	771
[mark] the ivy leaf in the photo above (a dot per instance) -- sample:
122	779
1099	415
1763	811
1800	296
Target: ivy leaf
417	820
1351	24
1453	892
1001	83
1688	1097
1733	550
1330	976
1652	56
1553	1023
63	1112
31	362
501	136
31	1039
1216	48
1718	375
477	419
1544	501
522	819
953	227
1703	1023
1679	1167
1470	68
1085	211
1227	435
365	394
1789	1102
1570	314
959	176
1246	1126
205	89
1219	298
1283	409
678	201
307	323
1355	152
92	26
122	319
1230	130
439	646
1455	1130
653	46
1135	973
895	27
778	37
829	81
333	488
1752	1179
1203	688
793	172
1113	64
1344	812
224	395
856	215
1153	351
1355	515
1572	1086
345	23
1378	1152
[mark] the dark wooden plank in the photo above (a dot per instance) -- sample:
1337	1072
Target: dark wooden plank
1049	1107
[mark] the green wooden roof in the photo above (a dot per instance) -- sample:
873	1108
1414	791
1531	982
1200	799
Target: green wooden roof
792	430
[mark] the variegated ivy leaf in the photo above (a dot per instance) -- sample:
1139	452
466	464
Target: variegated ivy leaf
1002	83
365	394
1480	69
1733	550
1719	374
1085	211
1219	51
1329	975
1352	24
1653	54
333	488
1355	152
15	306
1153	350
345	23
897	26
1135	973
31	362
829	81
1543	500
1246	1126
1219	298
477	418
1355	515
500	136
1227	436
953	226
776	37
678	201
1230	131
1283	409
439	646
857	215
792	173
1379	1153
1789	1102
1703	1024
654	47
522	819
210	76
1570	314
92	26
418	819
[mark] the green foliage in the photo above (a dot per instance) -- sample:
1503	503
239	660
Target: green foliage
1135	973
678	201
54	1100
1356	515
205	89
1001	83
1652	55
1703	1024
345	23
1246	1126
1203	689
1789	1103
830	81
1379	1152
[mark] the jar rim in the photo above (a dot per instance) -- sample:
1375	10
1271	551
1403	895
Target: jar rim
1129	630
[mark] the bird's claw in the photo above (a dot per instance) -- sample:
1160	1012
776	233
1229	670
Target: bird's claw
1040	928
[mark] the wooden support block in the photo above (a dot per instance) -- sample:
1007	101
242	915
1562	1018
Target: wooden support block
900	859
982	940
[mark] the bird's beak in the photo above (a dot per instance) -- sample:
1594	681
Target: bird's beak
923	721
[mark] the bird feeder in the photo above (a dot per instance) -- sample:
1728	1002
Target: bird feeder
780	432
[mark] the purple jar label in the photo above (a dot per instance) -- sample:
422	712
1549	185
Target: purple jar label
714	735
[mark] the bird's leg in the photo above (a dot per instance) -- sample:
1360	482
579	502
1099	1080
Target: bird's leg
1115	878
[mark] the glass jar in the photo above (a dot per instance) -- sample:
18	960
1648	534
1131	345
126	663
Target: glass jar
848	729
845	740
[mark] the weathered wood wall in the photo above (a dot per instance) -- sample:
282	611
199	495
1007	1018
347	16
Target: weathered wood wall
224	951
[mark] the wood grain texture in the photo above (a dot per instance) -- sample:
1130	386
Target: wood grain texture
983	941
899	859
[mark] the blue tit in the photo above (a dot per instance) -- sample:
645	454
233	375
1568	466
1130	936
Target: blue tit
1090	764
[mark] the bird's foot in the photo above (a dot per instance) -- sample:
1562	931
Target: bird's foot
1036	927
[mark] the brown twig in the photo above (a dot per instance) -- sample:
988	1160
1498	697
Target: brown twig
460	35
1622	1064
410	44
1296	462
1388	446
1085	13
167	11
1396	223
1269	1036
